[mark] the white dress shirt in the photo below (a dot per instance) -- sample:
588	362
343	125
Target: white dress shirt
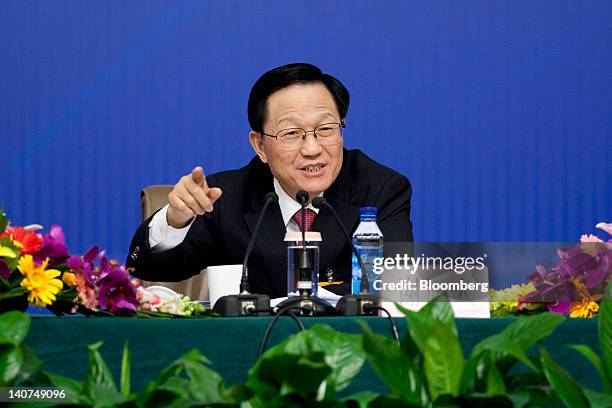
163	237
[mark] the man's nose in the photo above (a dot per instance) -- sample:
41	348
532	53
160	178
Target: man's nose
310	145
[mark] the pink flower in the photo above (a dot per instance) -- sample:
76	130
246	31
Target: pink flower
589	238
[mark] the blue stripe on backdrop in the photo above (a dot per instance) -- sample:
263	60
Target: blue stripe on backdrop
499	112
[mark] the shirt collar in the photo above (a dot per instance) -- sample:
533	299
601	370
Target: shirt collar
287	204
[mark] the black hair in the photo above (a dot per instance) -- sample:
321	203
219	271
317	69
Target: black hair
285	76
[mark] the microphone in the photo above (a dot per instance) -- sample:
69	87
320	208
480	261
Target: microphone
246	303
271	197
305	303
305	270
352	305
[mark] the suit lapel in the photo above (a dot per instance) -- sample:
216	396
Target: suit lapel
334	245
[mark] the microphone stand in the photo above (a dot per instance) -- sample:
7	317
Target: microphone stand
365	303
305	303
246	303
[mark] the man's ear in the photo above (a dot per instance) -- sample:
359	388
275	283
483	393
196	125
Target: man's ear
257	143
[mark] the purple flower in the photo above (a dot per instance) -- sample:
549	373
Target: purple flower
85	264
116	292
53	247
587	265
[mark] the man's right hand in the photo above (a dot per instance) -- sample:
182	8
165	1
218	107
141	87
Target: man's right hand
191	196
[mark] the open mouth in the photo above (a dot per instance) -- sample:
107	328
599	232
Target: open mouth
313	168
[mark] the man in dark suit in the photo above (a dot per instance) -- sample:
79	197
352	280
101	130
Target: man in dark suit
297	116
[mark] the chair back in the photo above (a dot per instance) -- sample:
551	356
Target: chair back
152	198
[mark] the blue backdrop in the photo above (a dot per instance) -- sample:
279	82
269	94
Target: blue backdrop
499	112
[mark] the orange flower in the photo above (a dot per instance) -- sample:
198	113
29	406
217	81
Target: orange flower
28	241
69	278
584	309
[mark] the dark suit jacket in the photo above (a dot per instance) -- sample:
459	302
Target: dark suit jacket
221	237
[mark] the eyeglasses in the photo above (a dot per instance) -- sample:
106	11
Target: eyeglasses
326	134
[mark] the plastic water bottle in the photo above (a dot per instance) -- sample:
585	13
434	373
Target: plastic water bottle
369	242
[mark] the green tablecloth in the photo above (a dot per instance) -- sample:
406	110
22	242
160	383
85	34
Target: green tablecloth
231	344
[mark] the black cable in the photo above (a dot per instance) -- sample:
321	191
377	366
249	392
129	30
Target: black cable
296	320
264	340
393	326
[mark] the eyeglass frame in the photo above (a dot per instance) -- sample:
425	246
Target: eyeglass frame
306	132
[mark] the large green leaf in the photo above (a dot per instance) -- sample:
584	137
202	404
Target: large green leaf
363	399
495	381
421	322
590	355
598	399
474	373
30	367
520	336
205	384
14	327
99	385
440	309
443	361
394	367
341	352
124	381
419	328
563	384
605	329
173	392
11	359
538	396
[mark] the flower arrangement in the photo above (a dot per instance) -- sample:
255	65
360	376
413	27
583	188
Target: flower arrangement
573	286
37	268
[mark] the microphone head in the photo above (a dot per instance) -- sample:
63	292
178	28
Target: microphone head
301	197
318	202
272	196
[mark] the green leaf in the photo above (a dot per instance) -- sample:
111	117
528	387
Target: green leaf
564	386
440	309
419	328
125	371
410	349
11	359
598	399
205	384
72	387
495	381
590	355
339	351
520	336
30	367
11	262
99	385
443	361
533	397
394	367
14	327
474	372
605	329
363	399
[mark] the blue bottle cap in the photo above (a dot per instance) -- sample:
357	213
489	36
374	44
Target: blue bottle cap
368	212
